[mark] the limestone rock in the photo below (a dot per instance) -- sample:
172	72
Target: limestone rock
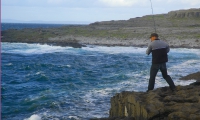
191	13
159	104
178	18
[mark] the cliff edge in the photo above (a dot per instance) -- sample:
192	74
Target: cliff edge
178	18
159	104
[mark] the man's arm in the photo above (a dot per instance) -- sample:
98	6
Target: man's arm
149	49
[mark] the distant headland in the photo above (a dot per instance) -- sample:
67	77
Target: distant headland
179	28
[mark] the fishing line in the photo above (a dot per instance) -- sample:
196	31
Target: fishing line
153	17
155	21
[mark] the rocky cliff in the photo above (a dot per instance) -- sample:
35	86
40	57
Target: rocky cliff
191	13
179	18
159	104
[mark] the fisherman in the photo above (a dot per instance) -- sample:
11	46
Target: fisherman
159	50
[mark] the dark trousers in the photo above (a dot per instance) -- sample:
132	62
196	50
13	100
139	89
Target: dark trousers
154	70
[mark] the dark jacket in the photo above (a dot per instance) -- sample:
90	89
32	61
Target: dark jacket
159	51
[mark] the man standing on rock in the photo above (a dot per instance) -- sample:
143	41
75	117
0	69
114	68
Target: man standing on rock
159	50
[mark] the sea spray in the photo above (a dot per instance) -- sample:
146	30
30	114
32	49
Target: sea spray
34	117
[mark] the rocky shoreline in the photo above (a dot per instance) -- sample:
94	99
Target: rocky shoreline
81	41
159	104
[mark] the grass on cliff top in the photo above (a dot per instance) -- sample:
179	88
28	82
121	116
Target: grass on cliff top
102	33
157	17
26	34
44	34
123	33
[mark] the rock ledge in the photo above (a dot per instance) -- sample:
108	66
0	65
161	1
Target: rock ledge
159	104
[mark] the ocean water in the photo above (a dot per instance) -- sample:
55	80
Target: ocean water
42	82
6	26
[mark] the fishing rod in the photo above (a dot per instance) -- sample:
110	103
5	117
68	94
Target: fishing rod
155	21
153	16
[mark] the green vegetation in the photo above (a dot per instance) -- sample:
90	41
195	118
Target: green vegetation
197	36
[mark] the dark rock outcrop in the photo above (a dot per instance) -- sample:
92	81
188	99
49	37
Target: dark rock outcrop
159	104
191	13
195	76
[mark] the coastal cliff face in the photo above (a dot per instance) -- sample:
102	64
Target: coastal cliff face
159	104
191	13
179	18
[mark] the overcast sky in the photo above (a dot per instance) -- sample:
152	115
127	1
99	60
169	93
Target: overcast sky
87	10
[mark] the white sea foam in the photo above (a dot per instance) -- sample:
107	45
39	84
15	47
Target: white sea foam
115	50
9	64
38	73
185	68
185	50
74	117
122	49
34	117
24	48
68	66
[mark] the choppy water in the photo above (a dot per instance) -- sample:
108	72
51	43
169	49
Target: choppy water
52	82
